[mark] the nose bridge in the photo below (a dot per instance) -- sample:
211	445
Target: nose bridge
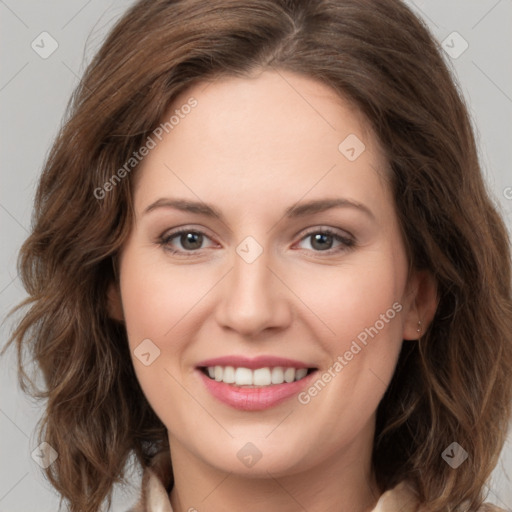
252	300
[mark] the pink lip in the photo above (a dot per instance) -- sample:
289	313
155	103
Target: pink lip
253	363
254	399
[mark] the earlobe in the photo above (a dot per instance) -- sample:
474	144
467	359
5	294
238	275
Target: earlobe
115	306
422	306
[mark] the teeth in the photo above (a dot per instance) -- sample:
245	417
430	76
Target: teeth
301	373
289	375
243	376
229	375
277	375
256	378
261	377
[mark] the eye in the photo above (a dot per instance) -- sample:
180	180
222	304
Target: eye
322	240
190	240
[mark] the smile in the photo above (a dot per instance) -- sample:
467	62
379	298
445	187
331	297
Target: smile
254	384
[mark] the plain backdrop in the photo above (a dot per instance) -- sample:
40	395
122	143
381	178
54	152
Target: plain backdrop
34	90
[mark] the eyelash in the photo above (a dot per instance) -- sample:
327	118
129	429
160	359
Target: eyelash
347	243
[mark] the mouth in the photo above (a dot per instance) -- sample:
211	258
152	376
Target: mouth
254	384
255	378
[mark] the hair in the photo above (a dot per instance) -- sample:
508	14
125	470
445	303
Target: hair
453	384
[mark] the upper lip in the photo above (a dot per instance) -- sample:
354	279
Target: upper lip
254	363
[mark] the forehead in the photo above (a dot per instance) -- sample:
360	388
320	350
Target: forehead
253	137
272	110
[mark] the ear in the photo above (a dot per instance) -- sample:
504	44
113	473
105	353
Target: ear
421	304
114	304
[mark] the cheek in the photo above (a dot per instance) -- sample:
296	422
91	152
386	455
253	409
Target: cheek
360	358
155	305
362	304
156	297
349	298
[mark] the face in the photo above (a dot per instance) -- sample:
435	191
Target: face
264	285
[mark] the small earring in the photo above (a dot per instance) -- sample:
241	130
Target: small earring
419	326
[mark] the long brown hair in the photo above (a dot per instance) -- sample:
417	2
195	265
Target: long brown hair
454	384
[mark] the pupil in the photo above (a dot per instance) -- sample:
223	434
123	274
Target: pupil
322	237
193	239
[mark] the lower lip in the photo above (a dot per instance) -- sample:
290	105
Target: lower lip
254	399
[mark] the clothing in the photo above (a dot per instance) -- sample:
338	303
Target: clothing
156	485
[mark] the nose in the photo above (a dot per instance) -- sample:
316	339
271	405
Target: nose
253	298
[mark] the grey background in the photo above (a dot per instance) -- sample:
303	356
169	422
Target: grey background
33	95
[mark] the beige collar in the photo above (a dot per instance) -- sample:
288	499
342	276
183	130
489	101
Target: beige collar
157	481
155	495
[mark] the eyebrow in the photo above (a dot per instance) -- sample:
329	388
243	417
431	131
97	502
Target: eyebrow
294	211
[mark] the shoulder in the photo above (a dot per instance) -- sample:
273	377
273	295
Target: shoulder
403	497
155	486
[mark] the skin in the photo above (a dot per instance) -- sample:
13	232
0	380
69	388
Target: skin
253	147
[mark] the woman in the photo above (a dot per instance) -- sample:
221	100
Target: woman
263	250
